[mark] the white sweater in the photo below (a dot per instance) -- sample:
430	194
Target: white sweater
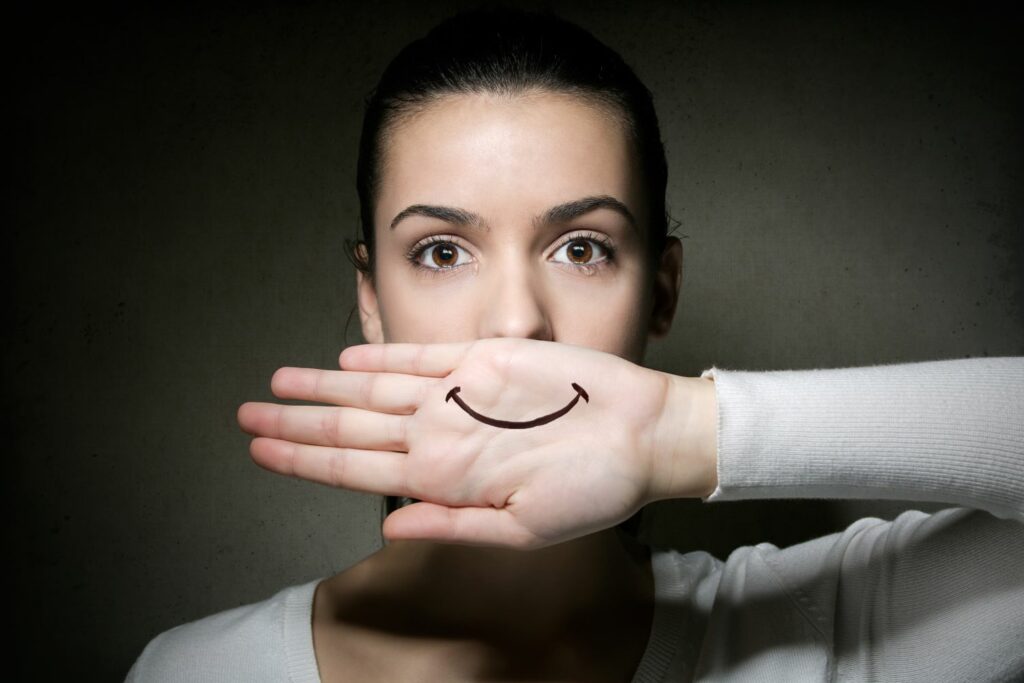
924	597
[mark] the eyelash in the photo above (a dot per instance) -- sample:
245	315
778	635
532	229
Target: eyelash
413	255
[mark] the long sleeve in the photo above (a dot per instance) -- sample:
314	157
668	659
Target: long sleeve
947	431
924	597
270	640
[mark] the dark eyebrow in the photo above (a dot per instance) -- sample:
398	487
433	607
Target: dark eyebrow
562	213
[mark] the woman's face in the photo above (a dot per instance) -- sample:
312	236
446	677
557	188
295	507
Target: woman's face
515	217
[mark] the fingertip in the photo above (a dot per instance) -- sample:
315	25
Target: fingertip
242	415
255	444
348	359
388	531
279	381
473	526
253	451
403	524
345	357
266	453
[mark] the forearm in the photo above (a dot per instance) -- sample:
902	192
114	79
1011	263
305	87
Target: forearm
941	431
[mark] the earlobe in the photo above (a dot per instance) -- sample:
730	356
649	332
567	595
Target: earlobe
665	294
369	310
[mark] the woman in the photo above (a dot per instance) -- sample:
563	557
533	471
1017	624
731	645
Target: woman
512	182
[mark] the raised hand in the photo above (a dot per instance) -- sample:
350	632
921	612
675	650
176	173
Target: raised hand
507	442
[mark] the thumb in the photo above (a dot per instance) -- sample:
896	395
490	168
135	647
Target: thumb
484	526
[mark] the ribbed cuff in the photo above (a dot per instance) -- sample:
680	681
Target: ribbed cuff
298	634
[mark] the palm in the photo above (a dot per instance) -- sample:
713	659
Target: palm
575	474
584	468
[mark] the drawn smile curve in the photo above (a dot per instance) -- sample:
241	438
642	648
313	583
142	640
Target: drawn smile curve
507	424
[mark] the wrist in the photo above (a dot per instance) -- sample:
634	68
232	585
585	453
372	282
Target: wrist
686	441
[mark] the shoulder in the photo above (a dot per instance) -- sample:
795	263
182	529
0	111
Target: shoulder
876	594
259	641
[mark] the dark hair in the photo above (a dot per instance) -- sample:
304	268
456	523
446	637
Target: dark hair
509	51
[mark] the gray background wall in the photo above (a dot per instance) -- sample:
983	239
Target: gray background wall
849	182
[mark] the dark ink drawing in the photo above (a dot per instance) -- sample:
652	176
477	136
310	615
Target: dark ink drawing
454	393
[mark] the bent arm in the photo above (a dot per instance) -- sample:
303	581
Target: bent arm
923	597
948	431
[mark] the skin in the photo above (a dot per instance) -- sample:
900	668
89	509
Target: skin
485	154
517	424
579	610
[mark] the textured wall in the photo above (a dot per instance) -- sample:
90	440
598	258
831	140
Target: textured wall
848	181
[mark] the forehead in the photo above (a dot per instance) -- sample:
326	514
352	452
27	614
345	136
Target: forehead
483	149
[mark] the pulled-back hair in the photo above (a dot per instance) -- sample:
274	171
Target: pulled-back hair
507	51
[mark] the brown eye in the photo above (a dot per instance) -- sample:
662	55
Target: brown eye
444	255
437	255
580	251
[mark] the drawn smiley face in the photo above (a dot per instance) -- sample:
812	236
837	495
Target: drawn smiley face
507	424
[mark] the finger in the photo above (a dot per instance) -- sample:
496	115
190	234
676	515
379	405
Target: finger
381	392
340	427
378	472
426	360
483	526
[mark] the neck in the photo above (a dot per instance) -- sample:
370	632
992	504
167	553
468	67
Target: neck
472	590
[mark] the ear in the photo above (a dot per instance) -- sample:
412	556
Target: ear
369	311
665	294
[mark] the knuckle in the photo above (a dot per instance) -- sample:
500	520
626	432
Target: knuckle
367	388
318	388
401	429
455	523
391	430
331	427
336	468
406	487
278	421
418	359
291	459
420	396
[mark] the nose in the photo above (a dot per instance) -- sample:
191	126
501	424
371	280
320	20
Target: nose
513	301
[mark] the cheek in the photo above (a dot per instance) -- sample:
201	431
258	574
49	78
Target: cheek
413	312
609	320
